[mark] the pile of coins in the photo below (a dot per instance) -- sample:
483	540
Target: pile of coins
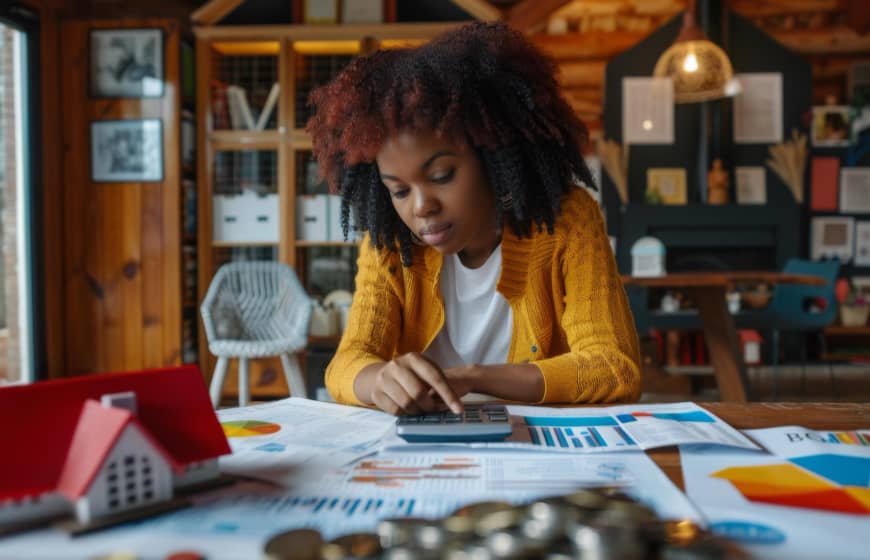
593	524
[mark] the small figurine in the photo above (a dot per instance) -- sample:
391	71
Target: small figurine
717	184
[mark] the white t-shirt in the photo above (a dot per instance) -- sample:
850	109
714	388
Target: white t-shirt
477	319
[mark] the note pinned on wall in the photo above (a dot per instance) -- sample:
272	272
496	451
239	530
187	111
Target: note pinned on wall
758	109
647	110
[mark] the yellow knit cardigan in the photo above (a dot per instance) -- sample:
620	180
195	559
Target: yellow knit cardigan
570	313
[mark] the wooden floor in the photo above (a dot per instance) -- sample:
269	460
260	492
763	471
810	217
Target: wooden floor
851	383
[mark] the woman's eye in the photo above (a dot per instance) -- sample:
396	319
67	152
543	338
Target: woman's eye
442	178
399	194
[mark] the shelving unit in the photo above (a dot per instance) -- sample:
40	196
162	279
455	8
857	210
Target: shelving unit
272	161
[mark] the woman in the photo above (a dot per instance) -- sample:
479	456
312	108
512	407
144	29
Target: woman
484	268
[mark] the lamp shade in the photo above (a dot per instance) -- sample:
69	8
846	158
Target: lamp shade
699	69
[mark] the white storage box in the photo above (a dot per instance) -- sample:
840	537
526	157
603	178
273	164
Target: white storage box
245	218
312	217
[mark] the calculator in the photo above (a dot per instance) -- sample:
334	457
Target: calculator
486	422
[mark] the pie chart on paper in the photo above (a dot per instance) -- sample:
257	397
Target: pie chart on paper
249	428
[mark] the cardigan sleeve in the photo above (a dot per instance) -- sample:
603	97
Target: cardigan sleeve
373	322
603	363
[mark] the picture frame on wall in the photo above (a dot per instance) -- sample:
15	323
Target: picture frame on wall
832	237
751	185
862	243
127	151
855	190
666	185
126	62
320	12
362	11
830	126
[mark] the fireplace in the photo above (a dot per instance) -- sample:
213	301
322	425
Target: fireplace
704	238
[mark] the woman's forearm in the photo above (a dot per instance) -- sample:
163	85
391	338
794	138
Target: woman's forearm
515	382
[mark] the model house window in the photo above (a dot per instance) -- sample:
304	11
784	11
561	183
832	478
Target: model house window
19	142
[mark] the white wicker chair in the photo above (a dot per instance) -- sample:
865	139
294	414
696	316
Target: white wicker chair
256	310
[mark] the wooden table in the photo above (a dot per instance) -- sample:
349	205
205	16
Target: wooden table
816	416
707	290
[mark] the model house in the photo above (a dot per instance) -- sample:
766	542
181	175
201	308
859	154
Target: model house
97	446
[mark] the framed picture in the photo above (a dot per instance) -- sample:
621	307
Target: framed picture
855	190
320	12
832	237
362	11
126	62
127	151
666	185
751	185
862	243
830	126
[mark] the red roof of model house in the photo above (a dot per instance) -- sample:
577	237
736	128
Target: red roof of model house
46	423
98	429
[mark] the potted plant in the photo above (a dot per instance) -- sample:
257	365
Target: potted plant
854	306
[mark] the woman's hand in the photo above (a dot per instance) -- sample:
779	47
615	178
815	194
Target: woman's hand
409	384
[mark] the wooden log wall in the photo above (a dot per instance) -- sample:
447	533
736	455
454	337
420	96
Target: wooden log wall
122	245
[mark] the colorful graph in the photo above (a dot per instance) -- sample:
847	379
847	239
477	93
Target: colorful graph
836	483
248	428
689	416
847	438
389	473
577	432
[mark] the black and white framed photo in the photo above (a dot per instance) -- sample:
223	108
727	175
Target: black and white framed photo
126	62
127	151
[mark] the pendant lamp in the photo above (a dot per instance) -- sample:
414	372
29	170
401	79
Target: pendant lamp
699	69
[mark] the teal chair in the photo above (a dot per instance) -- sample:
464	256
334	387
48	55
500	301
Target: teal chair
793	307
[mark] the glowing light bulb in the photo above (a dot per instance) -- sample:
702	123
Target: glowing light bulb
690	64
647	124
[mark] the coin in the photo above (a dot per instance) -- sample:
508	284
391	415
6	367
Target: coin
498	520
586	499
357	545
479	509
398	531
430	536
607	541
296	544
459	527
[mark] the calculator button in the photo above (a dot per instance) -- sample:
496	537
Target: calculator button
431	419
409	420
473	420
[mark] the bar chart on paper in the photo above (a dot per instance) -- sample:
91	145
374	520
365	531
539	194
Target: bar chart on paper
578	432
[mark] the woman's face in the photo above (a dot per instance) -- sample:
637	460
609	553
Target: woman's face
441	193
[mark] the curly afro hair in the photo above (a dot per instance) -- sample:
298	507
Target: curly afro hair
483	85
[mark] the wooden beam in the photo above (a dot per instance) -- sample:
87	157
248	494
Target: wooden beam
584	8
480	9
826	68
858	15
594	44
823	41
581	74
530	13
763	8
214	11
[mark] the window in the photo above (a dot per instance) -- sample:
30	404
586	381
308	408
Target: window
19	196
